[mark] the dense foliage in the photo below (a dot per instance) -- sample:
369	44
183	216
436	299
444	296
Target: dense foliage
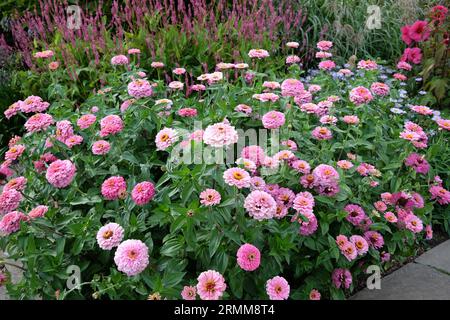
344	170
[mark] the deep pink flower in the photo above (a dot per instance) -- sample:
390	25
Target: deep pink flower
114	188
10	222
143	193
189	293
419	31
60	173
341	278
248	257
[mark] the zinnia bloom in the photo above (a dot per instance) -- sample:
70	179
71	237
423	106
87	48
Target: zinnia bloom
38	122
143	193
60	173
248	257
314	295
418	163
38	212
85	121
258	53
10	222
111	124
211	285
9	200
110	236
189	293
273	120
101	147
237	177
278	288
210	197
260	205
165	138
14	152
360	95
220	134
322	133
131	257
360	243
114	187
341	278
119	60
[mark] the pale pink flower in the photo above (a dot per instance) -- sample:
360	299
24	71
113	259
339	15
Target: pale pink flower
220	134
273	120
260	205
44	54
165	138
327	65
322	133
267	96
291	87
157	64
360	95
9	200
140	88
73	141
314	295
278	288
292	59
237	177
351	119
176	85
131	257
210	197
243	108
211	285
380	89
344	164
10	222
258	53
110	236
390	217
179	71
324	45
367	65
134	51
360	243
271	85
293	44
189	293
413	223
119	60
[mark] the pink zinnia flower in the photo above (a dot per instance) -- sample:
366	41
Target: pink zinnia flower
351	119
119	60
327	65
258	53
85	121
360	243
211	285
179	71
301	166
220	134
60	173
399	76
314	295
307	228
39	122
187	112
380	89
44	54
375	239
140	88
278	288
176	85
440	194
101	147
267	96
73	141
404	66
271	85
38	212
429	232
360	95
413	223
165	138
292	44
341	278
111	124
390	217
291	87
273	120
257	183
324	45
254	153
237	177
10	222
248	257
344	164
304	202
355	214
367	65
18	184
444	124
260	205
33	104
134	51
110	236
131	257
9	200
210	197
418	163
143	193
323	55
243	108
322	133
114	187
349	251
380	206
189	293
157	64
14	152
424	110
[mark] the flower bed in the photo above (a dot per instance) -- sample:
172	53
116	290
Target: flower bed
251	184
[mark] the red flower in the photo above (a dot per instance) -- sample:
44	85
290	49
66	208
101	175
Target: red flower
438	14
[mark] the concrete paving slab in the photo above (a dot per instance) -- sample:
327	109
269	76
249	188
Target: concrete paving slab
411	282
438	257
